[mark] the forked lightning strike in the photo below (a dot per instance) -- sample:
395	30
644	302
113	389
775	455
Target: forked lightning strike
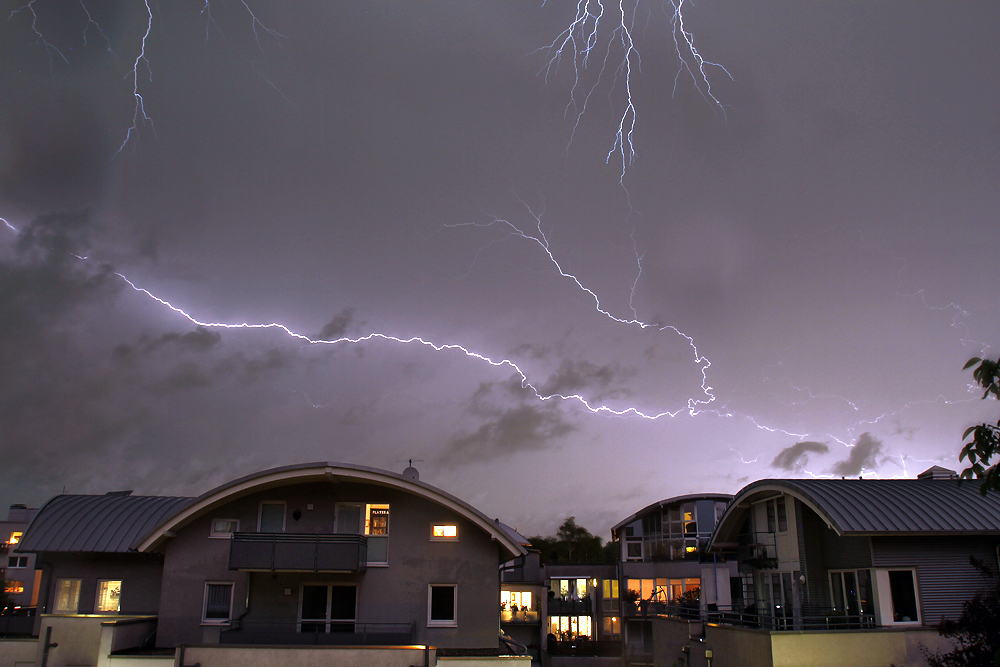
583	36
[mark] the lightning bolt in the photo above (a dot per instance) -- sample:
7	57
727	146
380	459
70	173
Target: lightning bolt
140	107
581	39
39	37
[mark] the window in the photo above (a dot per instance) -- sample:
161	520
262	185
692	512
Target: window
609	593
569	589
109	594
515	600
633	549
218	602
17	561
442	605
568	628
67	598
15	537
777	516
271	518
377	530
851	592
904	596
612	627
13	587
444	533
225	528
327	608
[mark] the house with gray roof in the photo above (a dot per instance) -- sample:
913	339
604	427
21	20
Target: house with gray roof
365	566
846	572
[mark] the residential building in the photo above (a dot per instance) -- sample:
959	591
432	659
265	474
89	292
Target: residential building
327	555
602	614
842	572
17	569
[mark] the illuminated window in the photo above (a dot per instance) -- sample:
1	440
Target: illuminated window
612	627
442	605
225	528
569	589
109	594
568	628
67	599
17	561
15	537
515	600
13	587
218	602
444	532
609	593
377	530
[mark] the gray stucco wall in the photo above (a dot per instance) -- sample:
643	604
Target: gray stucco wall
396	593
139	574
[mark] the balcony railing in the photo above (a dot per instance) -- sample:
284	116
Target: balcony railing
569	607
758	553
298	552
811	618
585	647
521	616
342	633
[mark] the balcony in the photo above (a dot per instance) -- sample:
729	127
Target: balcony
341	633
520	617
569	607
298	552
759	552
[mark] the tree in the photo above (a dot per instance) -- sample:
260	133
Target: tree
572	543
976	633
985	442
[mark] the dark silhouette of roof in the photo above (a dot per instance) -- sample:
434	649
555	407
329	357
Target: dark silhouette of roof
113	523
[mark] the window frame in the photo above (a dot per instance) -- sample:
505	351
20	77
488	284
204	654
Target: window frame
442	623
219	535
11	584
13	560
284	513
55	596
97	597
204	604
367	508
444	538
916	596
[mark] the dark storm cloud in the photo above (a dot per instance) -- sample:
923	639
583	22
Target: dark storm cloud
47	279
336	327
863	456
523	428
574	376
797	455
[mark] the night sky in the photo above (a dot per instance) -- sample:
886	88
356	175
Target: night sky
782	284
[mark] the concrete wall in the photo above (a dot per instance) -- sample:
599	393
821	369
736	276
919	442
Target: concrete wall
309	656
393	594
746	647
17	652
81	639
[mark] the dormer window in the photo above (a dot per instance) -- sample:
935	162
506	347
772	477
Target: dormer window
444	533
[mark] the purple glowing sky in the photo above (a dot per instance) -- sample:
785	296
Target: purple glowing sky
817	254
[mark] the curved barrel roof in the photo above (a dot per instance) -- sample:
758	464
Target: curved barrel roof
877	506
113	523
691	497
320	471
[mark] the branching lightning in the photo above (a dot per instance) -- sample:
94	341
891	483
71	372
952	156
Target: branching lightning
582	38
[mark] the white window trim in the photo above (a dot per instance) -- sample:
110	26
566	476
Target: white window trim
444	539
284	512
452	623
365	527
97	597
17	559
55	597
204	603
223	536
883	596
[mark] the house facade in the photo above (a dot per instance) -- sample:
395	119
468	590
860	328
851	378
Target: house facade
17	569
846	572
329	555
602	614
